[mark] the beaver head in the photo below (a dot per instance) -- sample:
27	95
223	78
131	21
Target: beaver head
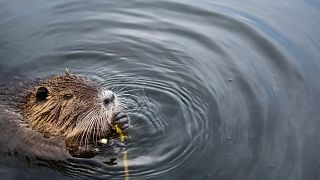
71	107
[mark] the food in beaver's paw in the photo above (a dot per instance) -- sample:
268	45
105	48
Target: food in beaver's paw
103	141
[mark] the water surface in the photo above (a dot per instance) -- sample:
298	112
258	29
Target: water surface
216	89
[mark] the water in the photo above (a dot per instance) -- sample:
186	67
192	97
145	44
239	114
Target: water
217	89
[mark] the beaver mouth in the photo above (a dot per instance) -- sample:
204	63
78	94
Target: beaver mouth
85	142
92	138
93	127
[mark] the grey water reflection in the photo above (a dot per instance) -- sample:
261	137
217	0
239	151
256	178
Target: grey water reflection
217	89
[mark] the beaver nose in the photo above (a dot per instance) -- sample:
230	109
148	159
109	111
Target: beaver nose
108	99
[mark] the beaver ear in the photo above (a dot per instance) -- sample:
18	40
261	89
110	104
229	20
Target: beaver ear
67	72
42	93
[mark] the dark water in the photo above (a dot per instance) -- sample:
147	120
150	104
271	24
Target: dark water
217	89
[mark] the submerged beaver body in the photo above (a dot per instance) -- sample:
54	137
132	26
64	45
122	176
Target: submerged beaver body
59	117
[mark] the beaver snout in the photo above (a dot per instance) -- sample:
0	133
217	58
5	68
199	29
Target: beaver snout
108	98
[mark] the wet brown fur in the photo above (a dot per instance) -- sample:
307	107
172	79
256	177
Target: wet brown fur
72	110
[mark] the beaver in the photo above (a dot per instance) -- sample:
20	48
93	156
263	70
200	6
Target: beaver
60	117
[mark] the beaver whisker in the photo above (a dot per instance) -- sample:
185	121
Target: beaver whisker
90	118
129	95
97	126
123	100
88	130
80	128
122	91
128	105
123	106
133	109
130	90
130	102
117	91
97	129
83	138
100	129
94	129
124	96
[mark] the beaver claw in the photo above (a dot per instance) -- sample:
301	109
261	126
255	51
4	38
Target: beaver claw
122	120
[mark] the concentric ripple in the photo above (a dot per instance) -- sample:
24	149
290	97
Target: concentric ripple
214	90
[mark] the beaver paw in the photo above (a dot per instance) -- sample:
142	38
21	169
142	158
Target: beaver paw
122	120
111	149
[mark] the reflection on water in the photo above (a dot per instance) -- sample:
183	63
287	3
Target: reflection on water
216	90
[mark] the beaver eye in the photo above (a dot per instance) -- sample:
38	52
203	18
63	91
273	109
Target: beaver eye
68	96
42	94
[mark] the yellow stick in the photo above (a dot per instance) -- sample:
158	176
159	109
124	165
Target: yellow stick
125	154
